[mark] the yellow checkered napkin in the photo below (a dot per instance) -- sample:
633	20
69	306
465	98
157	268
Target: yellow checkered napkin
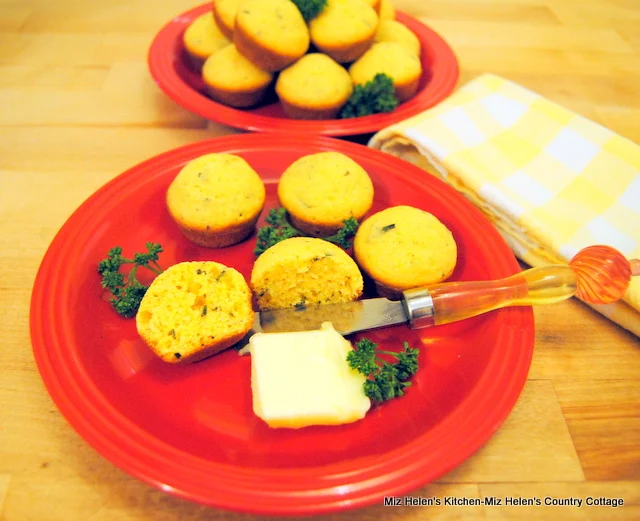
551	181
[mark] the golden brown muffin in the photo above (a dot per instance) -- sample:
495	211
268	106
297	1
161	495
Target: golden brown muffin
194	310
375	4
224	12
233	80
202	38
392	31
314	87
344	29
304	271
216	200
394	60
387	11
322	190
271	33
404	247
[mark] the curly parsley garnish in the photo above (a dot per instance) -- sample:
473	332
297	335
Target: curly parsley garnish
278	228
127	293
384	380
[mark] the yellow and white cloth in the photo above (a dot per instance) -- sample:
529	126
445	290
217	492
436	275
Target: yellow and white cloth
551	181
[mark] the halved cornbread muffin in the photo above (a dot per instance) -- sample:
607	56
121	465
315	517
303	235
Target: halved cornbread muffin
304	271
194	310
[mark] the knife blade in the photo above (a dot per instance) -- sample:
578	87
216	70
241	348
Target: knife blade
415	308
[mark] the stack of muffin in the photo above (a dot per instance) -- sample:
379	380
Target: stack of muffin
245	47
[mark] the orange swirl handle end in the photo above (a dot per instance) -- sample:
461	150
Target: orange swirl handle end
603	274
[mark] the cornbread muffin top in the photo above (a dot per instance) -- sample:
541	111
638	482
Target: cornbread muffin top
304	271
390	58
392	31
387	10
404	247
326	188
193	310
343	22
276	25
225	12
227	69
216	191
203	36
314	80
373	3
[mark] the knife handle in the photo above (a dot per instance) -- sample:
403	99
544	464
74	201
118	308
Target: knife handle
597	275
454	301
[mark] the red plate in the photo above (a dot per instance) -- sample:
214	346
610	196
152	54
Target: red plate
171	69
190	430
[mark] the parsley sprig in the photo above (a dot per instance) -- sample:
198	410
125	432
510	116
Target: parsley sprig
127	293
375	96
278	228
384	380
309	9
344	236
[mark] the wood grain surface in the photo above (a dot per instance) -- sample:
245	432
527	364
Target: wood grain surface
78	107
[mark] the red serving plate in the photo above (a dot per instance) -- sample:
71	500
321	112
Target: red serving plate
171	69
190	430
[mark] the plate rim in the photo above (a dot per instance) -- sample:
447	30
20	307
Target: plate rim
160	63
64	377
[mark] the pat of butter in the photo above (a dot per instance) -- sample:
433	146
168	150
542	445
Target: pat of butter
303	378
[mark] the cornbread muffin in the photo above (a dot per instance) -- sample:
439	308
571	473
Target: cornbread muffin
271	33
404	247
216	200
202	38
224	12
194	310
394	60
374	3
392	31
304	271
322	190
387	10
314	87
344	29
233	80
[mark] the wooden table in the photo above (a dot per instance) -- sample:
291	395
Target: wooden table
78	107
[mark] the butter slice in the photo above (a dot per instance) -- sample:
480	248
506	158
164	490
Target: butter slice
303	378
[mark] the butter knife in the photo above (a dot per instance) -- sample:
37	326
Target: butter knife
597	275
